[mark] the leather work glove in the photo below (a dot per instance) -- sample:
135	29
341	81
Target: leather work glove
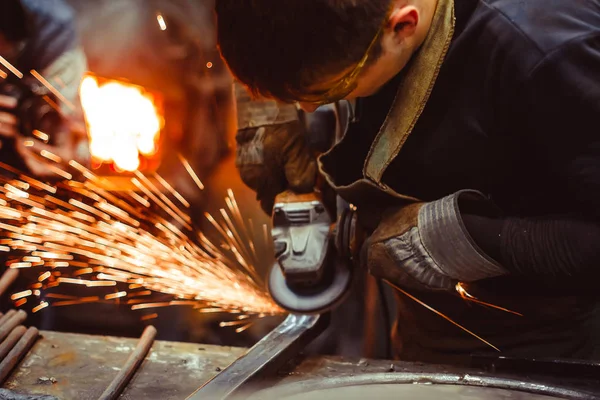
425	246
275	158
278	146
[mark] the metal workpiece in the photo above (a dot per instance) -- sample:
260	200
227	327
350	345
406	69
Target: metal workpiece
65	365
424	385
131	366
264	359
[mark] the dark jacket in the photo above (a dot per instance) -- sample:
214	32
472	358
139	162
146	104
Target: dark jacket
515	114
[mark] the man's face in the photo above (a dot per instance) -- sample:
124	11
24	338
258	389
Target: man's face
371	79
401	36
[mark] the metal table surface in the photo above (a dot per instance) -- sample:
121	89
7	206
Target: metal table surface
73	366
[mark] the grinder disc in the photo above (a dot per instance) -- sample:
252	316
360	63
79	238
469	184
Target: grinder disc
315	300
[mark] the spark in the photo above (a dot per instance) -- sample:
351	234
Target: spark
410	296
20	265
100	283
149	316
39	307
150	305
161	22
51	156
20	295
51	88
232	323
191	172
41	135
129	243
115	295
174	192
52	104
44	276
60	172
20	302
11	67
462	291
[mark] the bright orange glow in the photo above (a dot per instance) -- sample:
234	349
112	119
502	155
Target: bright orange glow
123	122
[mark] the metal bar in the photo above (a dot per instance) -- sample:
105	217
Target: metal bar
15	320
7	279
117	386
7	316
265	357
11	340
17	353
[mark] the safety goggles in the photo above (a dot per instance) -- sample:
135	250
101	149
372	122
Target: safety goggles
350	81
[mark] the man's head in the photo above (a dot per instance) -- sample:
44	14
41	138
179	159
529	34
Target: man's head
319	51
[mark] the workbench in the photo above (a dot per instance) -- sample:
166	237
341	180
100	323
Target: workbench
74	366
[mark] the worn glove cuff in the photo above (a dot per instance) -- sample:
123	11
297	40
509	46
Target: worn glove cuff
446	239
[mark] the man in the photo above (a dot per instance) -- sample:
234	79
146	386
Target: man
476	131
40	35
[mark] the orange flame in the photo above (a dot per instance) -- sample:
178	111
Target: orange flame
123	122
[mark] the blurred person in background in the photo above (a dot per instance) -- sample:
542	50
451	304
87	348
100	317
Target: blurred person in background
40	35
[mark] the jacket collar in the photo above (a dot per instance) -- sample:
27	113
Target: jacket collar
413	93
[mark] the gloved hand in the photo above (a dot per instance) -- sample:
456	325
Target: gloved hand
275	158
424	246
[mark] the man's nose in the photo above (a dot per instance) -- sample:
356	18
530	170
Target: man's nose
308	107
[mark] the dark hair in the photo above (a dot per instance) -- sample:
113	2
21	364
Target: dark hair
279	47
13	21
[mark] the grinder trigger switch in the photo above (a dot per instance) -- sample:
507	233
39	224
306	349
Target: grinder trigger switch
306	278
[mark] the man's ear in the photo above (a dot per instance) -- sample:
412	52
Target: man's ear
403	22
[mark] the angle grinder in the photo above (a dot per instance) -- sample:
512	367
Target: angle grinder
313	272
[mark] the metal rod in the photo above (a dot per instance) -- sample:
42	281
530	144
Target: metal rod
15	320
265	357
7	279
17	353
12	339
117	386
7	316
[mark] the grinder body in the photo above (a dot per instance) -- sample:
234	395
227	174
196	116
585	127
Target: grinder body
308	277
